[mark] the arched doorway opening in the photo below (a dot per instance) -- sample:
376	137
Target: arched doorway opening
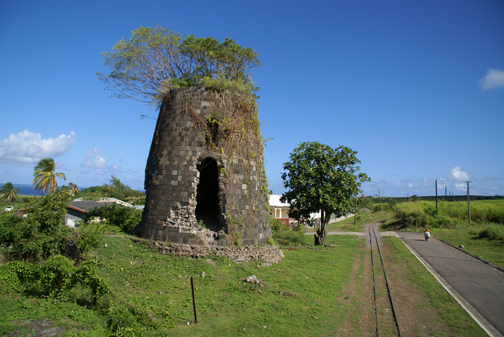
207	195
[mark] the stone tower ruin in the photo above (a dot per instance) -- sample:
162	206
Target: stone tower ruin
205	180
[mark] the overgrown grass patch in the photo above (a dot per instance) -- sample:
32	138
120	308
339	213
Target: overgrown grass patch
299	288
149	290
478	241
455	316
362	220
449	215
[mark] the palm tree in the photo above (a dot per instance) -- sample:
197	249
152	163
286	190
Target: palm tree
71	189
44	177
9	193
74	189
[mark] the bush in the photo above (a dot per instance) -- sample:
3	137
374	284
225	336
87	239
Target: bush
122	322
90	234
43	233
492	232
14	275
125	218
55	278
286	236
365	202
9	229
277	225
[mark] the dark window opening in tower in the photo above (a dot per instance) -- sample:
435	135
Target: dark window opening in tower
207	195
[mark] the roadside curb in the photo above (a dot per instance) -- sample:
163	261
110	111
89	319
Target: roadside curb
489	329
476	257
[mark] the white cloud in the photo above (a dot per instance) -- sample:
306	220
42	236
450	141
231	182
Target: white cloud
460	186
28	147
493	79
94	160
456	174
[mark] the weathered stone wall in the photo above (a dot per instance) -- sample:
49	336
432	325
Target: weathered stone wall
241	254
205	135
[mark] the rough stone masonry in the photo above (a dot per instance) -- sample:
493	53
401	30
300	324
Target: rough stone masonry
205	181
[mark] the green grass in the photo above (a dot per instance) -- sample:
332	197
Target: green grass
451	312
309	281
490	250
20	203
484	237
450	214
363	219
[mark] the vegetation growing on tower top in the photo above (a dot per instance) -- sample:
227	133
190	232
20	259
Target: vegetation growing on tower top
155	60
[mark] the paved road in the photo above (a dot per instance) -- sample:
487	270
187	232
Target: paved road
478	283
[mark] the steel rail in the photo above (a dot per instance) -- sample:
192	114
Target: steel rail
386	282
374	284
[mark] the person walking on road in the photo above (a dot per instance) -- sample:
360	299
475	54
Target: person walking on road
426	234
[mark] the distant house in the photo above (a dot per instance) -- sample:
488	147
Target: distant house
77	209
20	213
280	211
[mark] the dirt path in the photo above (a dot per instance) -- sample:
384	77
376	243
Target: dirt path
415	314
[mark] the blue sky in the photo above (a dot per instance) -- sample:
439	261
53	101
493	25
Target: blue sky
416	87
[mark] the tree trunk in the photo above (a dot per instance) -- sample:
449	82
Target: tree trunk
321	236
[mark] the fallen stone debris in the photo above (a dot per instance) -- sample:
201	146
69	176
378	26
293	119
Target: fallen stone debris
239	254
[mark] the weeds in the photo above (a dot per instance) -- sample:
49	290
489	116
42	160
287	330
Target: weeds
149	294
492	232
286	236
448	214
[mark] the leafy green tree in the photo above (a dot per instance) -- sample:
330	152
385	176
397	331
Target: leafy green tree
71	189
125	218
155	60
365	202
44	177
116	189
9	193
9	229
321	179
43	233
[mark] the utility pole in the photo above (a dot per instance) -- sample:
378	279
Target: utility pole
379	197
468	203
436	194
444	192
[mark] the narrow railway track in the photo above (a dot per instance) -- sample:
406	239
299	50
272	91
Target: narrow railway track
372	234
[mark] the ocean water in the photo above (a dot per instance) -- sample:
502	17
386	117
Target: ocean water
25	189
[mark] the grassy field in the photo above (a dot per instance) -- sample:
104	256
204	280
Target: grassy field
362	220
22	201
450	214
491	250
303	295
296	296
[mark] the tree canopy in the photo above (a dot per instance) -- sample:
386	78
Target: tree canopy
154	60
71	189
321	179
8	192
115	189
44	177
